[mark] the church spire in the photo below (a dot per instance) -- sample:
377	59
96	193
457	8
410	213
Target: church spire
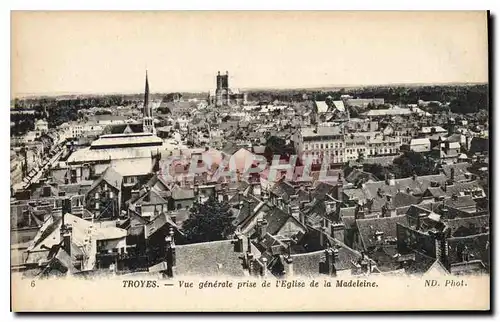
147	120
146	98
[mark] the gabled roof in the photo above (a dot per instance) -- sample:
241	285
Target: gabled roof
109	176
151	197
277	219
283	189
158	222
475	224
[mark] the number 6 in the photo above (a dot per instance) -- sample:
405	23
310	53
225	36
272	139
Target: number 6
32	283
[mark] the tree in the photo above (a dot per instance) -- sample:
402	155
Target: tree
412	163
376	169
209	221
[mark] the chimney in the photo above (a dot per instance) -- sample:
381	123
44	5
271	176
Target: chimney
288	266
322	235
420	218
261	227
170	256
251	266
363	263
391	180
264	267
295	212
340	191
337	231
239	245
66	232
441	245
66	206
359	213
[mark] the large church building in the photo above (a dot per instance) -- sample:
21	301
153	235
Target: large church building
224	95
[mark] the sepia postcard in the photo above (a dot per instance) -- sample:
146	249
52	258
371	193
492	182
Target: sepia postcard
249	161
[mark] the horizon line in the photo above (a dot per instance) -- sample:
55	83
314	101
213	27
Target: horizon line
198	91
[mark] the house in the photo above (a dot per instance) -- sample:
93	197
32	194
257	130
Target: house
181	198
104	197
69	243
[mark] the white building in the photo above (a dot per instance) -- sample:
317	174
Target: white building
383	145
42	126
321	142
420	145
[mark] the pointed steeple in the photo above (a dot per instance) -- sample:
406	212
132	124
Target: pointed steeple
147	120
146	111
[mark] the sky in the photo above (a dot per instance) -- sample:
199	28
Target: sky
108	52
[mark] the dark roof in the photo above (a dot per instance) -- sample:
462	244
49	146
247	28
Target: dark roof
357	175
283	189
151	197
388	226
417	185
322	189
418	263
477	247
216	258
435	192
308	264
275	220
470	223
460	202
120	128
459	187
158	222
402	199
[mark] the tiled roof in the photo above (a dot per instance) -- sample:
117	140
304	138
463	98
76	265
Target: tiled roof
417	185
357	175
179	193
419	264
388	226
477	247
460	202
470	223
216	258
283	189
158	222
460	170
